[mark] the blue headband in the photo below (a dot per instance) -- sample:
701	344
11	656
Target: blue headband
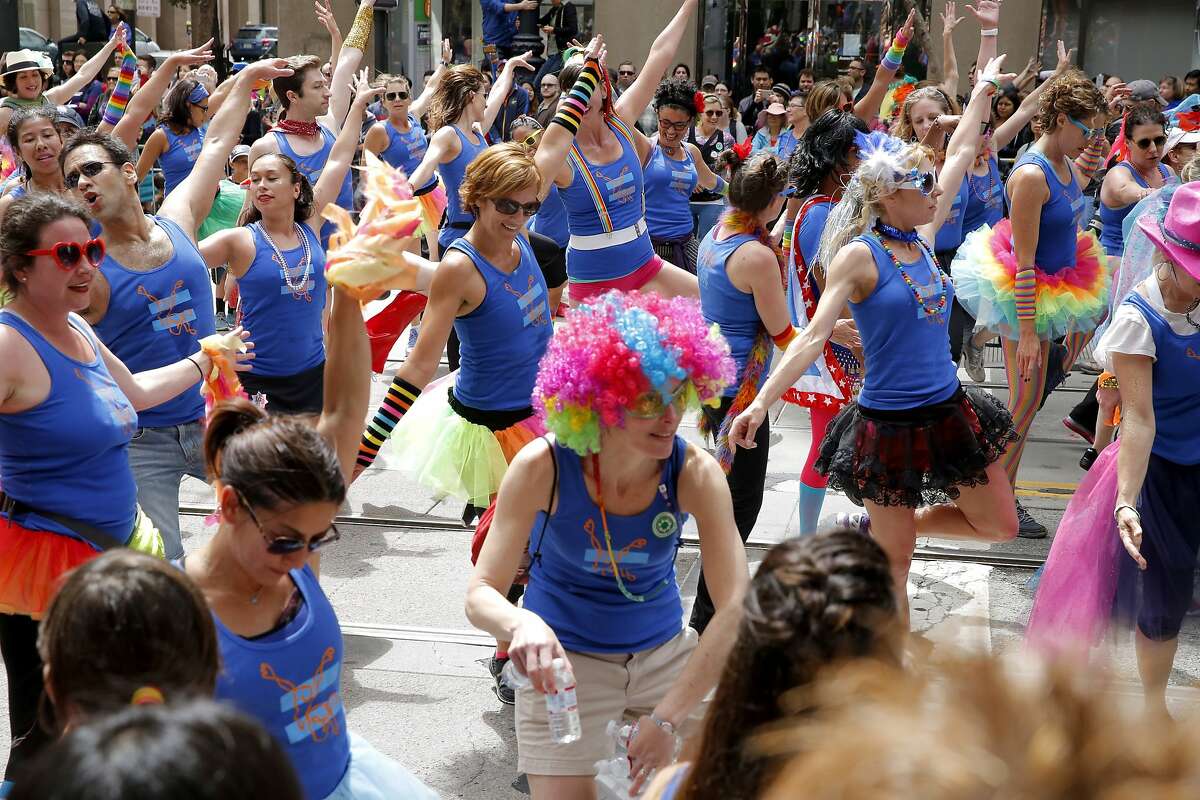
198	95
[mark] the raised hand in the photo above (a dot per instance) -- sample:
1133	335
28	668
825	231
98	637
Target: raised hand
447	52
949	19
1064	58
326	18
990	77
519	61
186	58
987	12
266	70
364	92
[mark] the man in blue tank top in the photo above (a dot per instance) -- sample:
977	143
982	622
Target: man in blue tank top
152	301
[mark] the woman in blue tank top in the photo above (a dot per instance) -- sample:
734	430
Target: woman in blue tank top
176	143
68	413
602	183
548	230
37	143
602	509
914	430
1136	177
674	172
1036	277
279	263
741	290
279	481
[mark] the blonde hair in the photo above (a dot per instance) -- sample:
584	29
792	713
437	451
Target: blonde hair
877	176
383	79
822	97
973	728
1191	170
498	171
453	94
903	127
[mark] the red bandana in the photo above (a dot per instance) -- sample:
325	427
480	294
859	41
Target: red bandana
297	128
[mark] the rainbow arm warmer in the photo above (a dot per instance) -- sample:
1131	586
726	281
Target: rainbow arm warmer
895	54
1025	293
784	337
574	106
120	96
399	399
1092	157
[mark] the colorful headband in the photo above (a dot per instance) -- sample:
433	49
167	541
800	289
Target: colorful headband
198	95
147	696
608	353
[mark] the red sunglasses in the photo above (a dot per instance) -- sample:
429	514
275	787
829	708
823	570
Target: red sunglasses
68	254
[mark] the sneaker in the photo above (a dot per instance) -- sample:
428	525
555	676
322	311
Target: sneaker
413	332
1089	367
224	322
858	521
505	693
972	360
1079	429
1027	526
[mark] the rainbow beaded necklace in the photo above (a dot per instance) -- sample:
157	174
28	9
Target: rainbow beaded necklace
933	310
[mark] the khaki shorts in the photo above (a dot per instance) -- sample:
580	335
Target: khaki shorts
608	687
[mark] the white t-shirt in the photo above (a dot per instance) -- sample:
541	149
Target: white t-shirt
1129	333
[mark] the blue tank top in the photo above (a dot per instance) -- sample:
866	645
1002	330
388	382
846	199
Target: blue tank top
285	324
950	235
405	150
18	191
503	339
290	681
604	198
572	586
313	164
909	352
180	155
458	219
551	220
1059	225
70	453
985	199
1111	236
1175	383
669	185
728	306
157	317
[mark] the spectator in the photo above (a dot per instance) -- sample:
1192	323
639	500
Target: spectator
86	98
67	64
770	136
626	74
735	127
1181	146
500	24
752	106
515	105
722	89
92	26
116	18
561	22
1191	83
682	72
1145	93
1170	90
550	94
806	79
110	84
708	83
856	71
146	67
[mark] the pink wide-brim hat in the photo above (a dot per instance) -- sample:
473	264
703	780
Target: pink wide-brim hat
1177	233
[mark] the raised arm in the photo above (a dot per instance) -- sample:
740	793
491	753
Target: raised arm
560	133
347	379
443	147
60	94
342	154
189	204
329	22
1012	126
987	12
500	89
950	21
418	106
633	102
144	100
867	108
346	67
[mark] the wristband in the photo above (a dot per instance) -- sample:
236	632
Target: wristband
722	187
1117	511
1025	294
785	242
360	31
1107	380
662	723
575	105
990	32
196	364
784	337
399	399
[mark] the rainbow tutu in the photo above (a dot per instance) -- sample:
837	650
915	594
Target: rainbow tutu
455	457
1072	300
433	205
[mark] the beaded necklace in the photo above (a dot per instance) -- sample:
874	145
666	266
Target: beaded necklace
986	197
933	312
297	289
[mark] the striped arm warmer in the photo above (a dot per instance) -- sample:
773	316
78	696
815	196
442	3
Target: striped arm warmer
1091	158
1025	293
895	54
575	104
120	96
399	399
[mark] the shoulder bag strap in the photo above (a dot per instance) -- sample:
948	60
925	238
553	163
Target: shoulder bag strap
537	553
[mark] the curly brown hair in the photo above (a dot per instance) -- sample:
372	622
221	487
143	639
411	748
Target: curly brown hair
1071	93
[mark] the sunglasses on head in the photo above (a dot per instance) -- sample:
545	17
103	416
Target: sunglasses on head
507	206
652	404
287	545
391	96
1088	133
1157	141
923	182
68	254
89	170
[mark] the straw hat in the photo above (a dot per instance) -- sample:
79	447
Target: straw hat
21	60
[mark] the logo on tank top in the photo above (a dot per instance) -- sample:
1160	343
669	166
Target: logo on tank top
621	188
311	718
928	292
681	181
118	404
664	524
596	558
163	314
534	310
1192	354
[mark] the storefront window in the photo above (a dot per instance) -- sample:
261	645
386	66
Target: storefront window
456	25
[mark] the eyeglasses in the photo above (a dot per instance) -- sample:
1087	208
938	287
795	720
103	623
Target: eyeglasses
1088	133
287	545
507	206
714	112
678	127
652	404
89	170
548	85
203	108
626	72
68	254
796	106
923	182
1157	141
391	96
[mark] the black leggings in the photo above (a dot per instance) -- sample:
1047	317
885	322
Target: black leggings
746	479
23	665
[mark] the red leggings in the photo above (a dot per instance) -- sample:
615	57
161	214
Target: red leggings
821	417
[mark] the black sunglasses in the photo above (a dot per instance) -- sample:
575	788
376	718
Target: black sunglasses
89	170
626	72
506	206
1157	141
287	545
390	96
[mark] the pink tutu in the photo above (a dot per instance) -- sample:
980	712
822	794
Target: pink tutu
1074	603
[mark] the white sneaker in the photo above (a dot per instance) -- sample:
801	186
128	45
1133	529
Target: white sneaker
972	360
855	520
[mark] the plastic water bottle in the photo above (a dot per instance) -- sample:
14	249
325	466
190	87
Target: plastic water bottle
562	708
612	775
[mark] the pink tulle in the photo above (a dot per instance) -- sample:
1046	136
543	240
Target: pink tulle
1074	600
1088	270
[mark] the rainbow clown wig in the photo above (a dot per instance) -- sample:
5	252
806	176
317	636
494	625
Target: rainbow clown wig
611	351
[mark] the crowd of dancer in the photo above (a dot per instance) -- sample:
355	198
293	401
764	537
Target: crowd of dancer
633	251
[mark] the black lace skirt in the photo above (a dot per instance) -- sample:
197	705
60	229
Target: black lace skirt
918	456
